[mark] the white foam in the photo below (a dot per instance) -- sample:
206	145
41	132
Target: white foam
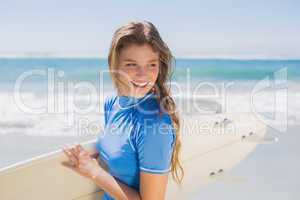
15	121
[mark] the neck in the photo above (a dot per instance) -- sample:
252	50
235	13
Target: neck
122	93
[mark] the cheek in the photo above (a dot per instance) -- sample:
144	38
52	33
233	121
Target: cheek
154	74
127	75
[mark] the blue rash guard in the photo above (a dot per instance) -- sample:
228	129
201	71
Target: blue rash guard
135	138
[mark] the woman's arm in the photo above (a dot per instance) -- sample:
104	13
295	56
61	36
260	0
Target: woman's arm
114	187
85	165
153	186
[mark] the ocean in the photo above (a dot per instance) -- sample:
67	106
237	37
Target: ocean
47	102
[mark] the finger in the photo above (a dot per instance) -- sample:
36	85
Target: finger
67	147
95	161
76	148
70	156
79	147
67	152
83	160
83	153
75	169
73	151
68	165
81	150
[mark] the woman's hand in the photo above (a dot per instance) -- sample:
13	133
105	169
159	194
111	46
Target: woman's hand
81	162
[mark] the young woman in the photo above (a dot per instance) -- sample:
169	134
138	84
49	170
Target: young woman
140	144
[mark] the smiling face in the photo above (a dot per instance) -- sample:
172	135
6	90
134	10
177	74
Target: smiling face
138	70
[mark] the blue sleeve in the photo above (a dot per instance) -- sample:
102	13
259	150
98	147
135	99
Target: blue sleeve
154	145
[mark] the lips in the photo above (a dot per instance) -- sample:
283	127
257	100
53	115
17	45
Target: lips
140	84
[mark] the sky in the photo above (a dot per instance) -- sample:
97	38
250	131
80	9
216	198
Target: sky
195	28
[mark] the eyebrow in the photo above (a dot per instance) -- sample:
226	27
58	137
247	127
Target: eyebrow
131	60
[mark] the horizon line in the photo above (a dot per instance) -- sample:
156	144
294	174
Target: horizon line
95	56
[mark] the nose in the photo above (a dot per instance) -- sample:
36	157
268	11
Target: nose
142	71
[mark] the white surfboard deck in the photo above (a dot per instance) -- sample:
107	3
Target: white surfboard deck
211	146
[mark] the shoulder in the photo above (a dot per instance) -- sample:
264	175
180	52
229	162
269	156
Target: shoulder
109	101
159	119
110	98
158	126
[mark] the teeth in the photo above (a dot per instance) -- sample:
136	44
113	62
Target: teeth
140	84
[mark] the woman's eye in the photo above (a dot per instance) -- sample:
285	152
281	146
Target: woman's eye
130	65
152	65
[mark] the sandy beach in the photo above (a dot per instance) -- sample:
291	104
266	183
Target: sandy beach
271	172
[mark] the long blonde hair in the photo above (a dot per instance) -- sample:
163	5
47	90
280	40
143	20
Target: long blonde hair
145	32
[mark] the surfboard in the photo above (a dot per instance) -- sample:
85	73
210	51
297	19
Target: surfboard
211	146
